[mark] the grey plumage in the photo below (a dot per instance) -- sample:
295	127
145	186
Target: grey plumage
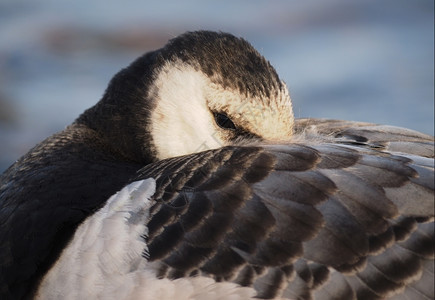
340	210
320	205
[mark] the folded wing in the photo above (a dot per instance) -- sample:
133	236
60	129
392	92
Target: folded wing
347	214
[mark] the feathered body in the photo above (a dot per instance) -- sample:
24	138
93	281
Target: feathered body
222	193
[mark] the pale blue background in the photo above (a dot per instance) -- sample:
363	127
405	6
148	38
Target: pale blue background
365	60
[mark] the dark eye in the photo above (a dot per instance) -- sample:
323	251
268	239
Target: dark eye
223	121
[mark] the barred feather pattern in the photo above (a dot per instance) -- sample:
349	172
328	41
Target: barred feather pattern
347	216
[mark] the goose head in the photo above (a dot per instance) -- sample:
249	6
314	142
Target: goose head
203	90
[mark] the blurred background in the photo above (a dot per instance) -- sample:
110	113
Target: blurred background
364	60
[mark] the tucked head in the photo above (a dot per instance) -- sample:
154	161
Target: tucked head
203	90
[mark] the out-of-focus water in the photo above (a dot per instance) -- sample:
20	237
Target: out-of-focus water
364	60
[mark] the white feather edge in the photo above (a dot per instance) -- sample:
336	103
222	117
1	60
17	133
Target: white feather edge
105	260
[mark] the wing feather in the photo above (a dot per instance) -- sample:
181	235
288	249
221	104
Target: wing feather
340	217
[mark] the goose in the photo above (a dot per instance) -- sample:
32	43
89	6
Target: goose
191	179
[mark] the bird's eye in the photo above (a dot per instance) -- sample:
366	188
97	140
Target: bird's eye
223	121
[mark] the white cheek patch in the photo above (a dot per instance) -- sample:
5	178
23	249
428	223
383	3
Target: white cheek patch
181	121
